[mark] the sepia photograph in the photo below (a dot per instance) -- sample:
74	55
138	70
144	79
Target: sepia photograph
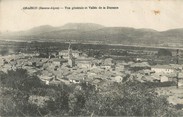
91	58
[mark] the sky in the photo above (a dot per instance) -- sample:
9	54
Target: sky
155	14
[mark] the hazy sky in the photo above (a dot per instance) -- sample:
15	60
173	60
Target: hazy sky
156	14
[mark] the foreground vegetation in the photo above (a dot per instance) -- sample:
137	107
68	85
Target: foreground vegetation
130	98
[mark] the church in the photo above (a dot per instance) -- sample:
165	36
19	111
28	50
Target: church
71	58
76	58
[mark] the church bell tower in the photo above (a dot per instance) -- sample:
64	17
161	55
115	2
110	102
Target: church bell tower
71	61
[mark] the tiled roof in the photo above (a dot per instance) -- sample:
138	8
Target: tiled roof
171	66
58	59
143	64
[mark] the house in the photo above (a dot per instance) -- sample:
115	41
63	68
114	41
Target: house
180	83
46	79
109	61
119	68
138	60
164	79
13	62
118	79
148	78
64	53
53	54
146	72
173	76
107	67
162	69
96	62
58	61
96	81
97	71
139	66
1	62
33	61
154	78
127	65
46	76
84	63
76	78
4	61
21	63
6	68
76	53
108	64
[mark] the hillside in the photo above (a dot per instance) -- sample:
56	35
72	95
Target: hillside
88	32
81	26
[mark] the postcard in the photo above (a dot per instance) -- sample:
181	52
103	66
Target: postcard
91	58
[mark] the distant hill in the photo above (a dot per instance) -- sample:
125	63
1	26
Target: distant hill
40	29
30	32
81	26
89	32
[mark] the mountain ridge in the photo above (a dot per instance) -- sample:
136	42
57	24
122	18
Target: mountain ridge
87	32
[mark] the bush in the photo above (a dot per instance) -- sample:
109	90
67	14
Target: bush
18	86
130	99
20	80
160	84
164	52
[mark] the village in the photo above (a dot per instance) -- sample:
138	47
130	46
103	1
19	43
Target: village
106	58
73	67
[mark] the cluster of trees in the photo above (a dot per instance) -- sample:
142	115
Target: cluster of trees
164	52
16	88
4	51
131	98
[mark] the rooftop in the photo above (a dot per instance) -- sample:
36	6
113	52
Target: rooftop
143	64
58	59
171	66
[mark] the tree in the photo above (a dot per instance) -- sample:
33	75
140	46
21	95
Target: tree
4	51
15	93
18	86
128	99
164	52
20	80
